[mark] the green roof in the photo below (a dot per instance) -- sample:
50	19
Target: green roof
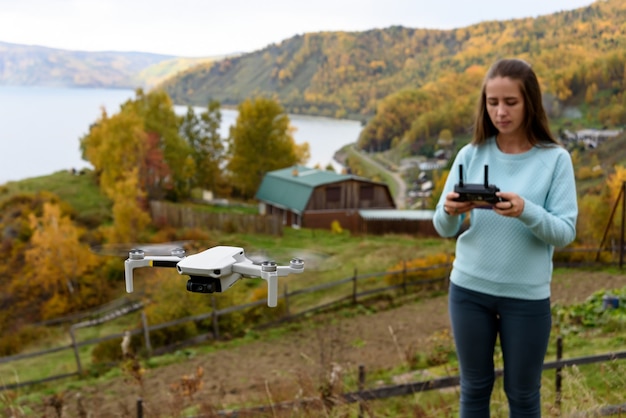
291	187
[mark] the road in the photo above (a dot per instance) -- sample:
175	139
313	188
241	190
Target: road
400	189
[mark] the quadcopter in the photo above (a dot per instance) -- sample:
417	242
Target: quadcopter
214	270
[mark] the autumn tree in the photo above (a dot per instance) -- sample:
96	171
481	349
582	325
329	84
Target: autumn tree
58	261
596	209
261	140
173	174
130	219
18	301
119	150
114	146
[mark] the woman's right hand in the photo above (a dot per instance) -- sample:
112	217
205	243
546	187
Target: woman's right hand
454	208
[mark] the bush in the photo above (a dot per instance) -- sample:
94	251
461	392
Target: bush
432	267
110	351
14	342
594	312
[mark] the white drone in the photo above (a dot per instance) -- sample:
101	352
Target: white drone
214	270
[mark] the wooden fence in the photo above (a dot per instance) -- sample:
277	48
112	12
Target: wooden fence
180	216
363	395
355	295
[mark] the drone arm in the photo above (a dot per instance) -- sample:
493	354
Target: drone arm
130	264
269	272
246	268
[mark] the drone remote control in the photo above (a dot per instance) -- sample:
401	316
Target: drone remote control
477	192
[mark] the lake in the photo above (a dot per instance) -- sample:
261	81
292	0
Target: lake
40	129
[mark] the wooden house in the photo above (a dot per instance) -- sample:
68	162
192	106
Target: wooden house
312	198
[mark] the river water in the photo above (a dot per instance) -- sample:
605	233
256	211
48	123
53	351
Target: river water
40	129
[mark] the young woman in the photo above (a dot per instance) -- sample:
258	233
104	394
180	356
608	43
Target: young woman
500	280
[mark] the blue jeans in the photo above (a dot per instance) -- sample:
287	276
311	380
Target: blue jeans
524	330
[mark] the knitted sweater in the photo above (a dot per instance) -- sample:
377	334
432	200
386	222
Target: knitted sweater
512	257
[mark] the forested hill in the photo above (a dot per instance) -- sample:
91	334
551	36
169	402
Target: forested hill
28	65
346	74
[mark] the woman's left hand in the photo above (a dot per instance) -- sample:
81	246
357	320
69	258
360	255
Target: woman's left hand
512	206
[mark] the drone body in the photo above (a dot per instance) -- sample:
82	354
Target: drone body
214	270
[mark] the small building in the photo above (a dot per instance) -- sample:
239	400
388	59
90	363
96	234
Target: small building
415	222
312	198
591	138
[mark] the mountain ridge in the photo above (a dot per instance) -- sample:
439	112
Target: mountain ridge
35	65
347	74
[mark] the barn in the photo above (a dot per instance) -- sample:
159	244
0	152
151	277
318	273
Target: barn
312	198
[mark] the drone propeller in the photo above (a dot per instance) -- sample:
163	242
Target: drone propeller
154	249
215	269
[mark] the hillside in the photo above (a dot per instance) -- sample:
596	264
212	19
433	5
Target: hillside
346	74
27	65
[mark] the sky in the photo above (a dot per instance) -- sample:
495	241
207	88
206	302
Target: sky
204	28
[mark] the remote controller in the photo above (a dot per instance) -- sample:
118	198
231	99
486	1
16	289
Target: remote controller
477	192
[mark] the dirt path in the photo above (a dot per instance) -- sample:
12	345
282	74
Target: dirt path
293	365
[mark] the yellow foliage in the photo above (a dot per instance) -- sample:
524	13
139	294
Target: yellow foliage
616	181
434	266
585	173
57	259
129	219
335	227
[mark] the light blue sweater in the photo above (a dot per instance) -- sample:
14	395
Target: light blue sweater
512	257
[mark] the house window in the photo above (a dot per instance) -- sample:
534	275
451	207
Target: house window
367	192
333	194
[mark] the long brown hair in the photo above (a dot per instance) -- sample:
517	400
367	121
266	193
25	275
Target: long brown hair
535	119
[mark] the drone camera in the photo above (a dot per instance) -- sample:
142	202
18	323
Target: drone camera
203	285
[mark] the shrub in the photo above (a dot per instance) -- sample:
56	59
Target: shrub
431	267
594	312
335	227
14	342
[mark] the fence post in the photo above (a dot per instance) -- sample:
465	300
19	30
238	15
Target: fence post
139	408
354	292
286	293
559	374
216	331
76	354
404	276
361	389
146	333
621	239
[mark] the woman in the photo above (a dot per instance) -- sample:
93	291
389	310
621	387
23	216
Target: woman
500	280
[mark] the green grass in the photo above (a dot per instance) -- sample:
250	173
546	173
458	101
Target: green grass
80	191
